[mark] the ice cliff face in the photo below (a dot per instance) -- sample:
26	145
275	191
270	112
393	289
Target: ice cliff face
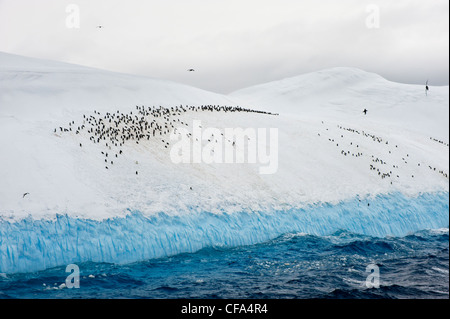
31	245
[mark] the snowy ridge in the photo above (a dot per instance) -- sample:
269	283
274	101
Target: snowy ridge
40	89
342	93
32	245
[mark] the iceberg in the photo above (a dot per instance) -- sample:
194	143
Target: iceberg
380	174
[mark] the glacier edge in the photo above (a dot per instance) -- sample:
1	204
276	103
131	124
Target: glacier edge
32	245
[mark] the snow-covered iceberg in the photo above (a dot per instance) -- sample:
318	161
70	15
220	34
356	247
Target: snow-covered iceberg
333	162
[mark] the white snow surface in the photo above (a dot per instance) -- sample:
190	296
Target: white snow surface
315	111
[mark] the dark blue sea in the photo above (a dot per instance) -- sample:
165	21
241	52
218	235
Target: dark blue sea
293	265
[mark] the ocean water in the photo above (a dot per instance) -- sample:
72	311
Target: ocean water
326	251
293	265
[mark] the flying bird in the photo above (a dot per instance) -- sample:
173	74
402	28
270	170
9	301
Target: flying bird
25	195
191	70
426	88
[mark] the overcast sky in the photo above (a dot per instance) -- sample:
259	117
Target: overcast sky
233	44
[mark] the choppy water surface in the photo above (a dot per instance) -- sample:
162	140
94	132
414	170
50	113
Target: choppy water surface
294	265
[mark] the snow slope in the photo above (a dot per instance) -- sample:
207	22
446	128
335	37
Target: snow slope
329	154
343	93
37	96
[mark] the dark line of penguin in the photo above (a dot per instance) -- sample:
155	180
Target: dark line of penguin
434	168
115	129
376	160
439	141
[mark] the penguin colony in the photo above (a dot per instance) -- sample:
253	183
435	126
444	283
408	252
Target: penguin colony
114	130
379	166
